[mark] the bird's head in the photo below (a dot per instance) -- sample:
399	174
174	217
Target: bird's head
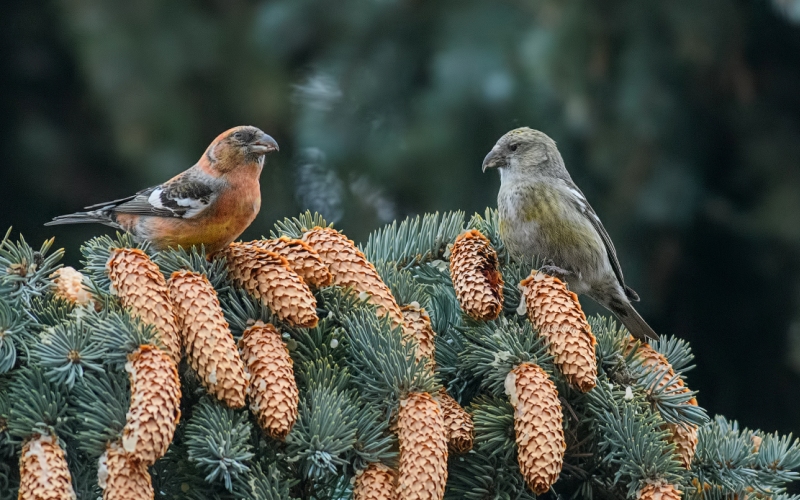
524	150
239	146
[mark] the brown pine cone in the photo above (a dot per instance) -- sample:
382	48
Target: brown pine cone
122	478
267	276
376	482
538	425
417	329
350	268
659	491
207	340
683	435
273	390
476	276
557	315
685	438
141	289
43	472
457	423
423	448
302	259
155	404
68	285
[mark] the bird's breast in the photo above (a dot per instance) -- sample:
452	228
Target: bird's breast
536	220
247	200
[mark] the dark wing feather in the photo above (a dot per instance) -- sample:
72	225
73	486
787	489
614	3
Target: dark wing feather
140	205
184	200
113	202
583	205
184	196
612	252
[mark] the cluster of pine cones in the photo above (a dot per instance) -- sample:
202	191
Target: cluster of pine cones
187	315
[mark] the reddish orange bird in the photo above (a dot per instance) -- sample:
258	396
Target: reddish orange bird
211	203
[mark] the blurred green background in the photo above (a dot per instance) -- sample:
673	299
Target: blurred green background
680	120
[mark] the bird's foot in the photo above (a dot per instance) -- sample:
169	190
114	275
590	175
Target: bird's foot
555	271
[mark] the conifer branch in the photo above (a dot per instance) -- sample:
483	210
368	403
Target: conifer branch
415	240
97	252
67	350
99	410
38	406
196	260
217	441
384	367
25	272
13	335
494	348
349	395
119	334
264	483
297	226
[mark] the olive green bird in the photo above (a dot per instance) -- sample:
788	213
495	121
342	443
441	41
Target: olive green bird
544	214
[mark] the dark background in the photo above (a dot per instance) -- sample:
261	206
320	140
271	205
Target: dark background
680	120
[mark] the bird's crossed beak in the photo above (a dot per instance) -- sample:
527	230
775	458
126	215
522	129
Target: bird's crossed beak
494	160
265	144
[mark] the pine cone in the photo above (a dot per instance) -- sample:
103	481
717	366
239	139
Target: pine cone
207	340
302	259
659	491
141	288
683	435
423	448
350	268
122	478
538	425
43	472
756	440
685	438
557	315
417	328
457	423
267	276
155	404
68	285
476	276
273	390
376	482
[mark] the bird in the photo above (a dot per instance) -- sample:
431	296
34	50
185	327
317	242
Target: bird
210	204
543	214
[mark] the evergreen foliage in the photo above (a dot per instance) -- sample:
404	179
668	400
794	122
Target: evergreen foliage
384	368
99	410
24	272
353	371
218	442
631	440
119	334
415	240
12	334
195	260
296	226
66	350
97	251
37	405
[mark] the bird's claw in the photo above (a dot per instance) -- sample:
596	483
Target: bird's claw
555	271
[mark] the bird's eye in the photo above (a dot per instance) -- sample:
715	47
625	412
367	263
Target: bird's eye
512	147
237	136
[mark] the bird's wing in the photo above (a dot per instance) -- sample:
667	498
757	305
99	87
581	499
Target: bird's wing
184	196
112	202
583	206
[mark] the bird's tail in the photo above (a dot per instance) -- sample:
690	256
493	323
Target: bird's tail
635	324
98	216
